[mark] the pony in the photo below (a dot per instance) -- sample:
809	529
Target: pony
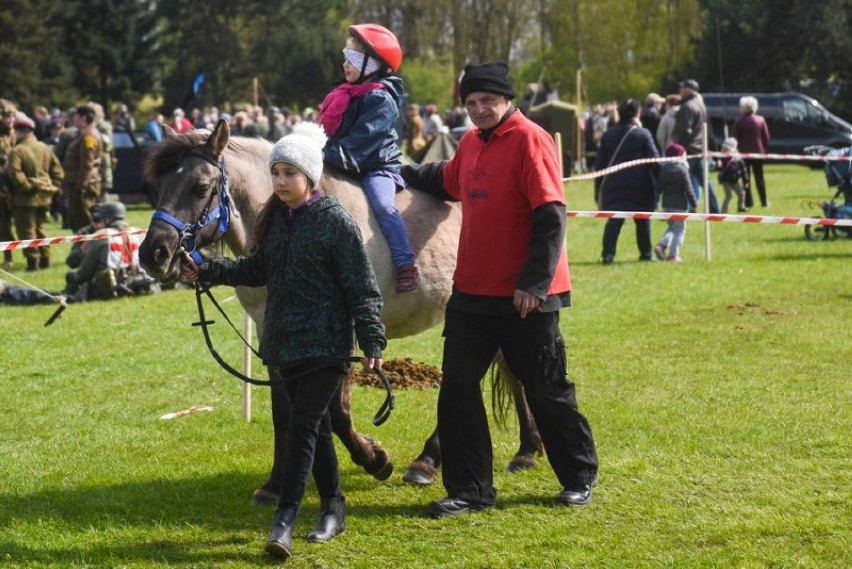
211	187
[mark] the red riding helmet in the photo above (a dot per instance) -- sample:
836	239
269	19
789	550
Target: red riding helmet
381	42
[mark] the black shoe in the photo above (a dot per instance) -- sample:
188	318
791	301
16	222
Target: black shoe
447	507
43	263
332	521
280	542
608	259
579	496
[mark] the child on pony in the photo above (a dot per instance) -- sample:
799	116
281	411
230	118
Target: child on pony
359	117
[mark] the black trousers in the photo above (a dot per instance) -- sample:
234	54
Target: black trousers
756	168
535	353
310	448
612	230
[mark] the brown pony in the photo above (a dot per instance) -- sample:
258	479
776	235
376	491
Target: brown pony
189	171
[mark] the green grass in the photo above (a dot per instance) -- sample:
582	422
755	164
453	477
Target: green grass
718	392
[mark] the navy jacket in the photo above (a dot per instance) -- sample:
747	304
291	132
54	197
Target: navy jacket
366	140
631	189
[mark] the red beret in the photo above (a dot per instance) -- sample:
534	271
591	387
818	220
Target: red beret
24	122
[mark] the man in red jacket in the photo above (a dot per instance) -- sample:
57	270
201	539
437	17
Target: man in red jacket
511	280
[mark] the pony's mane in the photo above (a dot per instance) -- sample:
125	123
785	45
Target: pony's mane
166	155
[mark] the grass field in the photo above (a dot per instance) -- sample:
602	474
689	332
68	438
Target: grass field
719	394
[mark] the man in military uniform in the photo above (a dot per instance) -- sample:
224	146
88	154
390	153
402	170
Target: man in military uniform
82	186
7	141
110	266
108	160
35	175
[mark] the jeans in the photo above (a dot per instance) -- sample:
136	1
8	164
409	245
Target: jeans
696	176
612	230
310	447
730	191
380	191
535	353
673	236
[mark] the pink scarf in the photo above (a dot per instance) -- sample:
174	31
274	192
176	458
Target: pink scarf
335	103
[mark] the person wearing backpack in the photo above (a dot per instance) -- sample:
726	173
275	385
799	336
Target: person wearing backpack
35	175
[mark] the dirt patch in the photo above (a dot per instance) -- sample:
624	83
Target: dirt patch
753	307
402	373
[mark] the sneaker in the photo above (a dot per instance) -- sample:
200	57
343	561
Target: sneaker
660	251
674	259
407	278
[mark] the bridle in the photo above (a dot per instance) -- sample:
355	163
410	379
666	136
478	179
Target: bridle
221	215
188	246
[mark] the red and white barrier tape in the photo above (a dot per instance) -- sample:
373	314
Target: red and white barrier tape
712	217
50	241
639	162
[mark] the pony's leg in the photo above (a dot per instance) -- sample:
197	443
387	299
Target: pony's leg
270	491
365	452
424	469
530	440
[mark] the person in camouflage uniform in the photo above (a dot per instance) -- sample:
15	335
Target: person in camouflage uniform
35	175
7	141
82	186
108	160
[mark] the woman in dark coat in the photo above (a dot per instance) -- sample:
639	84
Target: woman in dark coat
631	189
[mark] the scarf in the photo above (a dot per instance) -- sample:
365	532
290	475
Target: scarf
335	103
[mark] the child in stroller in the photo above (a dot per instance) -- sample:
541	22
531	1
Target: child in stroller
838	173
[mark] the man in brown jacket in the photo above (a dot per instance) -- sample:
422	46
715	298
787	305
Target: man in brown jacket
35	176
7	141
82	164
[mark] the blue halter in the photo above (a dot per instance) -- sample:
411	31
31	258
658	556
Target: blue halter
222	214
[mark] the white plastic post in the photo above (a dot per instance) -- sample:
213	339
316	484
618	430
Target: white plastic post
247	334
557	138
706	187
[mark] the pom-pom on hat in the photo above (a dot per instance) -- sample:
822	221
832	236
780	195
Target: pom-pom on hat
303	149
488	77
675	149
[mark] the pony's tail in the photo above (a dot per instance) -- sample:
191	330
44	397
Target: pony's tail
501	396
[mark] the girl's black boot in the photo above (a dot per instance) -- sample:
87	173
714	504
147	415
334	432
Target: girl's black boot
331	522
280	542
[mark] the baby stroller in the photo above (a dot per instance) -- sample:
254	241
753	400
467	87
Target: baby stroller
838	173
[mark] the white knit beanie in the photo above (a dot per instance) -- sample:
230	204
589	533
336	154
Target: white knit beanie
303	149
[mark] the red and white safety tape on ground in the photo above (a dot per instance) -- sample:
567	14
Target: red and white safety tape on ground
785	157
712	217
50	241
184	412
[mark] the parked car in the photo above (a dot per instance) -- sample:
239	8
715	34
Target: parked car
127	182
795	121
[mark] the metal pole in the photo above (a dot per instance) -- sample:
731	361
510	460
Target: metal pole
247	334
557	138
706	171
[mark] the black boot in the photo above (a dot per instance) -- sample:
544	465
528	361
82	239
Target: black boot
32	265
280	542
332	520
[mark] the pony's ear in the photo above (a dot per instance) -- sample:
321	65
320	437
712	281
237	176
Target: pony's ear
169	132
219	138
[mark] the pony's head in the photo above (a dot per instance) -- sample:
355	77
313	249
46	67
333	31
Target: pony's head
194	205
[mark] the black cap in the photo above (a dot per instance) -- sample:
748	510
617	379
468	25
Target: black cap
488	77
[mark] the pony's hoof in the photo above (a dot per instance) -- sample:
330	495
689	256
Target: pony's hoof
420	474
520	463
264	497
381	467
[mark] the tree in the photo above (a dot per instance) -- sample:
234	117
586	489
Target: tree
34	60
110	48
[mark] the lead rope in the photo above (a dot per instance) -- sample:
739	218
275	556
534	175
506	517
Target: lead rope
381	415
